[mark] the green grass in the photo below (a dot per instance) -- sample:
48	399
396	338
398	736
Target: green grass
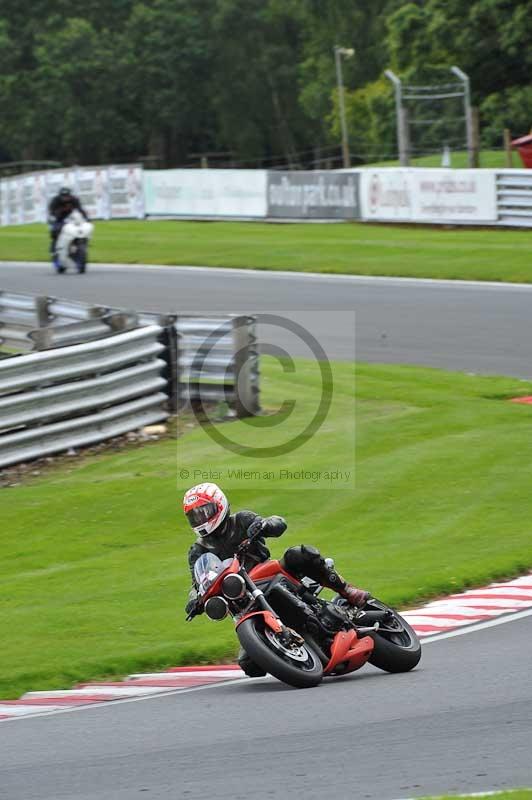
343	249
94	552
515	794
489	159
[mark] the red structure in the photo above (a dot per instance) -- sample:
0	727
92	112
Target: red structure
524	147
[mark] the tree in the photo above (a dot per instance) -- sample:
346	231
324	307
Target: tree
169	72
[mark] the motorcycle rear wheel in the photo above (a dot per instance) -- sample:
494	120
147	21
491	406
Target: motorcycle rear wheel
396	645
302	669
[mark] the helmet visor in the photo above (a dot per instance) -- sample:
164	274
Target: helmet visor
202	514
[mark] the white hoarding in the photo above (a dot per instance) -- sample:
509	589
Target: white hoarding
386	195
429	195
4	207
14	201
459	195
104	192
205	192
91	188
33	198
126	193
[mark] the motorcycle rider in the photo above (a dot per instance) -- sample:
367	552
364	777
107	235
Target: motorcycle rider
64	202
220	532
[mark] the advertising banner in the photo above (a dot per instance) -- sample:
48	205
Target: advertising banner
92	190
313	195
14	201
104	192
33	198
125	192
205	192
444	196
454	195
386	195
4	209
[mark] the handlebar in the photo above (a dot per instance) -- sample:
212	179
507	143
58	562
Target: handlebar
244	546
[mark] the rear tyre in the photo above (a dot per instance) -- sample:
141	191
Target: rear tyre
397	647
296	665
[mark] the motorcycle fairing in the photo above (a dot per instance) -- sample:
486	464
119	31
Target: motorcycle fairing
216	587
348	651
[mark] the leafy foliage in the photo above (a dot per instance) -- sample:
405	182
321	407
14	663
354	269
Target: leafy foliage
252	79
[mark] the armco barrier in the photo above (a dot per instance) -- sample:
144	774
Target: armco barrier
204	354
109	371
73	396
514	197
19	314
218	360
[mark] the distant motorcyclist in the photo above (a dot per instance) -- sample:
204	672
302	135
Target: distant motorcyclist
64	202
220	532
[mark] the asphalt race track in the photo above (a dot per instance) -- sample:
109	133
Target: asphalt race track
472	327
461	721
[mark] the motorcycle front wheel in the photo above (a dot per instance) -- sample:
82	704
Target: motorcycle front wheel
295	664
81	257
396	644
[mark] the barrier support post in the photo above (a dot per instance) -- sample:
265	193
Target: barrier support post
246	367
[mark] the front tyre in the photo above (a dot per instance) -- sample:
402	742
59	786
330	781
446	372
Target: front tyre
396	644
81	257
296	664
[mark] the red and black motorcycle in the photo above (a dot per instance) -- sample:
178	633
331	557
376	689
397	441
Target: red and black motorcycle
290	632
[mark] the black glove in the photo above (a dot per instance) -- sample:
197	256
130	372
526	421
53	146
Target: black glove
255	528
193	608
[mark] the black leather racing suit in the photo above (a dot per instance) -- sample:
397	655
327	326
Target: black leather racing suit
225	543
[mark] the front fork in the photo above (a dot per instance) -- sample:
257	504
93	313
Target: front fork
271	619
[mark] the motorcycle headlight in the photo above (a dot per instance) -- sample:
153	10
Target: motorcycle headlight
216	608
234	586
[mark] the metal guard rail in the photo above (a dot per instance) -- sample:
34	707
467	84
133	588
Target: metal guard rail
72	396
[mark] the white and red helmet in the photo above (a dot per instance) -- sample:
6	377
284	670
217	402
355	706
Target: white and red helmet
206	508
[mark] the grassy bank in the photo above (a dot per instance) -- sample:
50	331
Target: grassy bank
489	159
349	249
515	794
95	574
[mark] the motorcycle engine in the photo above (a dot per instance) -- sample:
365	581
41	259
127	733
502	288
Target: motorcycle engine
332	618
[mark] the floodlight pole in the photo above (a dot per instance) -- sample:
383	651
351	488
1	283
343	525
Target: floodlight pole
468	114
400	113
338	53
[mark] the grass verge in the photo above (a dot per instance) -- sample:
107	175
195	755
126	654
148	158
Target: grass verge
95	576
514	794
489	159
347	249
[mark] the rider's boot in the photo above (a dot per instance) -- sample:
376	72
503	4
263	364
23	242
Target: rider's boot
355	597
251	669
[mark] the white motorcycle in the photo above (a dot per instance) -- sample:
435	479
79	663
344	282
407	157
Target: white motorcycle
73	243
